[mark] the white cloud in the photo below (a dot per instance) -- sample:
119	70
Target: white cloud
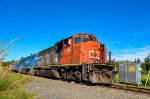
145	31
133	53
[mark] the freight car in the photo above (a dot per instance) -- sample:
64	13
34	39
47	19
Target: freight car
10	67
80	57
15	67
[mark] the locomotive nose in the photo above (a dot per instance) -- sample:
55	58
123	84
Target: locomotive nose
94	44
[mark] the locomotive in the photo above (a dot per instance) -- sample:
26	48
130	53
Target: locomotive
26	64
80	57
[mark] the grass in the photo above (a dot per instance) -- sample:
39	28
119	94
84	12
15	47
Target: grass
116	80
11	85
143	79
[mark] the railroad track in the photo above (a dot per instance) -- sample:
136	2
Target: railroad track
131	88
123	87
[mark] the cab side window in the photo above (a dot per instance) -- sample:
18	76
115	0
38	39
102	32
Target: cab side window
77	40
58	49
67	42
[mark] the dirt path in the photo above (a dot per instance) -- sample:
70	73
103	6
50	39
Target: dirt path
56	89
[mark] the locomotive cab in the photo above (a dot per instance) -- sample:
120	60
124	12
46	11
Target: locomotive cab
82	48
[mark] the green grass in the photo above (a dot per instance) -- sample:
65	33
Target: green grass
11	85
143	78
116	80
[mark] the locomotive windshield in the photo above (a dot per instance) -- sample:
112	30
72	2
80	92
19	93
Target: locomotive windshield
85	39
78	40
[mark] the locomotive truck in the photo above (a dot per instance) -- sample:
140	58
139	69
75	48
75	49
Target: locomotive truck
80	57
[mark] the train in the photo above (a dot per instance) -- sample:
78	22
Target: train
80	57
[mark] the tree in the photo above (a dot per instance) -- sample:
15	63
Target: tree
135	61
138	60
5	64
147	62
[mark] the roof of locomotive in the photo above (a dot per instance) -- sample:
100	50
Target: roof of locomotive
28	57
75	35
78	35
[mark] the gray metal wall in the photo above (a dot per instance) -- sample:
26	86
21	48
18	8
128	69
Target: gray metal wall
130	73
49	56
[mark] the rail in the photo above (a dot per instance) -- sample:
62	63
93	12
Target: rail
131	88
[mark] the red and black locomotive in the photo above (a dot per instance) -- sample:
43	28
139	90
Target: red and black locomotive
80	57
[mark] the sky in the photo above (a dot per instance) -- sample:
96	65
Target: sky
122	25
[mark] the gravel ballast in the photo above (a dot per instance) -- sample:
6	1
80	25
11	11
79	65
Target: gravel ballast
45	88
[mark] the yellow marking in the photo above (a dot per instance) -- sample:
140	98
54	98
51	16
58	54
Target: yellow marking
63	65
67	65
103	64
132	69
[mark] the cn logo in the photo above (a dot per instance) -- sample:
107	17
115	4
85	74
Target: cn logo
94	54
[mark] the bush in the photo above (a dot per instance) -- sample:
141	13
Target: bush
116	79
6	64
144	77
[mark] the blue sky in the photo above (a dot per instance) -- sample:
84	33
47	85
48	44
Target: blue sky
123	25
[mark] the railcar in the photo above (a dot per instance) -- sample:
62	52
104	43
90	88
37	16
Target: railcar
80	57
26	64
10	67
15	67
